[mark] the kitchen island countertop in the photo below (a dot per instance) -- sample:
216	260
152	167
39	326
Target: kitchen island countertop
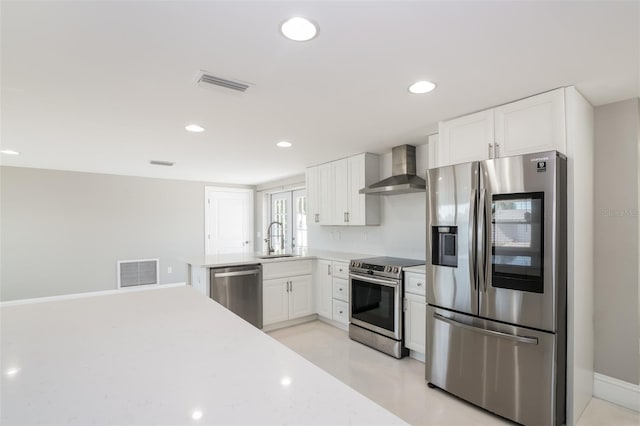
163	356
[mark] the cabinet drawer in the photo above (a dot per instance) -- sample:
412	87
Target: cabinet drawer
289	268
341	289
414	283
341	270
340	311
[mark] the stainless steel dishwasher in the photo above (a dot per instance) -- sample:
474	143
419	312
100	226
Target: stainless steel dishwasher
239	289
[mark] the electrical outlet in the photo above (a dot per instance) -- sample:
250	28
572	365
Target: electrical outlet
169	270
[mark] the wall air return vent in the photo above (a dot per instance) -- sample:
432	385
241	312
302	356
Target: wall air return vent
206	79
133	273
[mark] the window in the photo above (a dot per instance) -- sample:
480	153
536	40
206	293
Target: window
290	209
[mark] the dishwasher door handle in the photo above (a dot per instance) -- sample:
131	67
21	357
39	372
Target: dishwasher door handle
236	274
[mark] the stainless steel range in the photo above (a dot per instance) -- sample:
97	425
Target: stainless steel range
376	295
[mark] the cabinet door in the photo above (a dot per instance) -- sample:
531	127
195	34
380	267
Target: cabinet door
340	171
327	194
415	320
322	282
300	296
357	202
433	160
275	301
531	125
313	195
465	139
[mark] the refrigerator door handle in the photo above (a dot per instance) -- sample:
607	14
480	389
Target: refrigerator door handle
483	242
473	219
514	337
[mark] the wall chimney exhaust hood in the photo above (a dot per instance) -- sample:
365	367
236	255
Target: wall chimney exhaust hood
404	179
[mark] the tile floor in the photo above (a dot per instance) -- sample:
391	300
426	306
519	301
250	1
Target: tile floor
399	386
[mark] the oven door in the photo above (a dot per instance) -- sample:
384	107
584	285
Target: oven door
375	305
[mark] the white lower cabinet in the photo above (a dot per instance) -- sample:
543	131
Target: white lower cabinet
287	291
415	312
415	316
340	311
323	287
331	279
286	299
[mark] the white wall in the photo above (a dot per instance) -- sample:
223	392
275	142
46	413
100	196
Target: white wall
402	229
616	230
63	232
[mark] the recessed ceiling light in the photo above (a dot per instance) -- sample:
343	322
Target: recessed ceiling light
196	415
422	87
283	144
12	371
10	152
194	128
299	29
286	381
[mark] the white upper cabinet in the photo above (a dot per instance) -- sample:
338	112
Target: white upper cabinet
313	194
466	139
530	125
341	200
335	186
326	194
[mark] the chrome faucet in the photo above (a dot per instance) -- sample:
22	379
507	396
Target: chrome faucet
267	240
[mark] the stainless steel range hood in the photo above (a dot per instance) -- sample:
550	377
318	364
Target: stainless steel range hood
404	179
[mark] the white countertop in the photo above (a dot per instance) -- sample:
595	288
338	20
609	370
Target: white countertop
222	260
161	357
417	269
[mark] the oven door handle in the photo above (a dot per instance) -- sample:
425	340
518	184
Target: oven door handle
514	337
368	279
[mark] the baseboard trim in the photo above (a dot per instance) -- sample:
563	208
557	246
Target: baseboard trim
616	391
334	323
87	294
289	323
417	355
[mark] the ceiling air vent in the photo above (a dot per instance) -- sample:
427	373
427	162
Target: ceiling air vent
133	273
203	78
161	163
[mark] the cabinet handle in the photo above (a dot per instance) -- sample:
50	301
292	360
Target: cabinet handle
497	151
317	217
347	217
344	217
328	269
287	286
340	312
404	305
340	289
490	150
419	284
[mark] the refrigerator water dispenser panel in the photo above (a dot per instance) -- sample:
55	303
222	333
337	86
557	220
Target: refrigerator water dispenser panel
445	246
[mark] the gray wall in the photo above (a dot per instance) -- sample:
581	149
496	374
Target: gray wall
62	232
616	236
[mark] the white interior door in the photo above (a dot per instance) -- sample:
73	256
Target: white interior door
228	220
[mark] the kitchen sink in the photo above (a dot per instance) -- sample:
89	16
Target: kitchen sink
275	256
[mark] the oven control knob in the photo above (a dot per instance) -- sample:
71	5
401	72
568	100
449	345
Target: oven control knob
395	269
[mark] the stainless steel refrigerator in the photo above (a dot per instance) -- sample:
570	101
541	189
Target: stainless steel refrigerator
497	274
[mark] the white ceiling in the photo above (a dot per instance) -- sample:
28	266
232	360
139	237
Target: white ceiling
108	86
